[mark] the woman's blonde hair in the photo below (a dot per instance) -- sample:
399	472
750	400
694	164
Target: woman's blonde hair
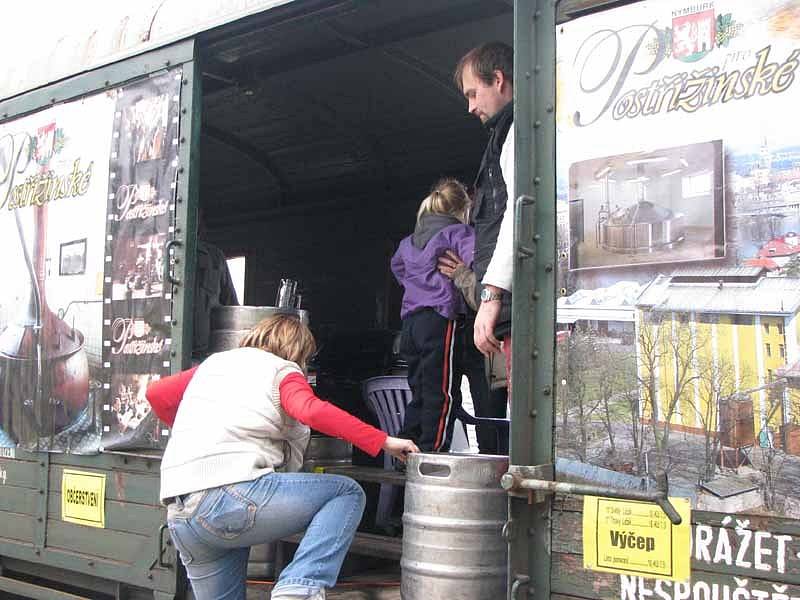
448	197
284	336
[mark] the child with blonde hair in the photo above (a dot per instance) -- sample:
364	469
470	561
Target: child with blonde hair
431	312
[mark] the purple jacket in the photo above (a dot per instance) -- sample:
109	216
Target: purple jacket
414	265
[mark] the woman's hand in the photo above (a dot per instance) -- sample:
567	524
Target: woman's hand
448	263
399	447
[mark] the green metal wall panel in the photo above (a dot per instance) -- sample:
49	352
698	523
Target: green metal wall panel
18	500
18	526
120	485
126	551
186	213
127	517
20	473
125	547
533	327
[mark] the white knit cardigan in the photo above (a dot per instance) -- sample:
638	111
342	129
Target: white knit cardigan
230	425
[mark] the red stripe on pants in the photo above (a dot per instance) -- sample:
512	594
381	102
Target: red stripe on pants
448	339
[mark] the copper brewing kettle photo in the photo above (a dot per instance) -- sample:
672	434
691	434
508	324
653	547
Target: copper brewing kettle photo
44	370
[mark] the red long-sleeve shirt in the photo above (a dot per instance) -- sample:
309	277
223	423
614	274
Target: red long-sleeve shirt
298	401
166	394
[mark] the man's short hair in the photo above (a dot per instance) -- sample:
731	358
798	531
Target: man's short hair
485	60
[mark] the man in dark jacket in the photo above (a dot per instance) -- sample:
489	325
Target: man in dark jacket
485	77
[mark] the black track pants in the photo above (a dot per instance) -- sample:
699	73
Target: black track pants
432	346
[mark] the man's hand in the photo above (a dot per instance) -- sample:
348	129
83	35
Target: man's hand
399	447
449	262
485	322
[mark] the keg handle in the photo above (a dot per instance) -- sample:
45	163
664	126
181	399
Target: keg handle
427	468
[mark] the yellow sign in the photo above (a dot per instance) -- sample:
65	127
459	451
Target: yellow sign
83	498
630	537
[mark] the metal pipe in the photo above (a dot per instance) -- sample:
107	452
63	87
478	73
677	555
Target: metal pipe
62	312
511	482
36	305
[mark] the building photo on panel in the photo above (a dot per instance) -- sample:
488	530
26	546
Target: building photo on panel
679	235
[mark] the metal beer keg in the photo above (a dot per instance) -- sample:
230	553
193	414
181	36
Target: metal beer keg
324	451
229	324
247	317
455	509
261	562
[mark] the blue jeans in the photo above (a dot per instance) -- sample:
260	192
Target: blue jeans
214	529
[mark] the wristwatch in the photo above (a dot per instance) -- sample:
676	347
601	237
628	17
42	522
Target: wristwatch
487	295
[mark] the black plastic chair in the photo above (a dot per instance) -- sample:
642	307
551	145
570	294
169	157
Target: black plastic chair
388	397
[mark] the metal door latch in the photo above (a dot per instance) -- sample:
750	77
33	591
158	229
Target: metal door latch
535	481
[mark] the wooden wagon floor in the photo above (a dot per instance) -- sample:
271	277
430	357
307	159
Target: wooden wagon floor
381	584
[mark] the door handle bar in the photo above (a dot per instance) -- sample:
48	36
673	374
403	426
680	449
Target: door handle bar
168	262
523	251
160	550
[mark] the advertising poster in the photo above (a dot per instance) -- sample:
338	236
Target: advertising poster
87	193
141	209
53	196
678	160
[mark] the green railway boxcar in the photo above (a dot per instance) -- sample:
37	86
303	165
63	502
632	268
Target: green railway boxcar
656	292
